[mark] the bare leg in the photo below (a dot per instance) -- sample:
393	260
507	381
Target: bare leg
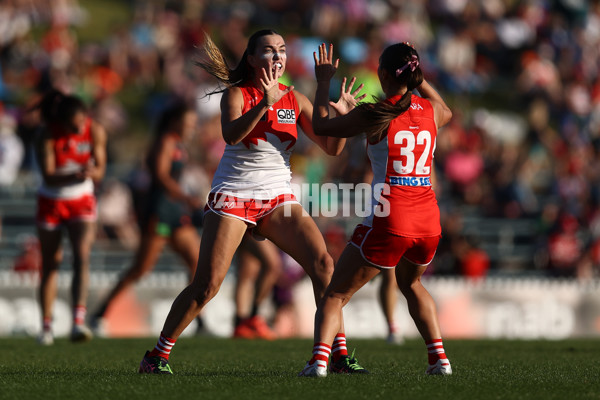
388	296
420	303
297	234
185	241
50	242
221	237
271	269
247	276
351	273
259	268
81	235
423	311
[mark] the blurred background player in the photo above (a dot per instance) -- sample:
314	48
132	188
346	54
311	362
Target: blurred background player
388	298
168	214
72	156
259	267
403	230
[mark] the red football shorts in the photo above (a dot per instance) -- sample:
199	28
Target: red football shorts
248	210
52	213
385	250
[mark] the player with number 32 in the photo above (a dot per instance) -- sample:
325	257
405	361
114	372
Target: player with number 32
401	135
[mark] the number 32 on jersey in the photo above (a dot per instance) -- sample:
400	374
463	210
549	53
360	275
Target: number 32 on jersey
407	141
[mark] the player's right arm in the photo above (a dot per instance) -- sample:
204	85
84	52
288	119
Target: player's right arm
236	126
441	111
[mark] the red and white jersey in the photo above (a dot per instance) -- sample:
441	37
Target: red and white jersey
259	166
72	152
401	162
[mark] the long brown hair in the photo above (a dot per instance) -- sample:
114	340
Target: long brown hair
216	65
57	107
402	61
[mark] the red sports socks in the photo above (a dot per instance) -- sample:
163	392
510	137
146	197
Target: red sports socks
47	324
320	355
163	347
339	347
435	351
79	315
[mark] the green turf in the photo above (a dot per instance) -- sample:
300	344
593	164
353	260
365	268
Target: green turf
208	368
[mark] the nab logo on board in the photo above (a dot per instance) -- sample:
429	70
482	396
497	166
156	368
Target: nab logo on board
285	116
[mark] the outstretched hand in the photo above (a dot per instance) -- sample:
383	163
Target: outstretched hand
324	66
271	90
348	98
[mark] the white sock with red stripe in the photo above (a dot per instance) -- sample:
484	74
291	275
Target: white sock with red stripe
79	315
321	352
339	348
435	351
47	324
163	347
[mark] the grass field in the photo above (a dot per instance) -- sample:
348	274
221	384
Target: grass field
214	368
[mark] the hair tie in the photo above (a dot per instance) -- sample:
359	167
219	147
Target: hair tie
413	64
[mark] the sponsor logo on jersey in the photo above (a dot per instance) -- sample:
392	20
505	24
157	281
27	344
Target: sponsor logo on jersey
410	181
83	147
286	116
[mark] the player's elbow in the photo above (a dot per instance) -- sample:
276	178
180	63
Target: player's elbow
230	140
320	126
446	116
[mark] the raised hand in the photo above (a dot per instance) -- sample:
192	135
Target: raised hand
270	84
348	98
324	66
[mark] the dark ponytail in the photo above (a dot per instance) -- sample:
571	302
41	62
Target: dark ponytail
217	66
57	107
402	61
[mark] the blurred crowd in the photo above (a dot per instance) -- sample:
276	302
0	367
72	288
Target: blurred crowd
522	78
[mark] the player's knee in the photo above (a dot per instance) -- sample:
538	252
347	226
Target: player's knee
49	270
206	289
407	287
81	258
335	297
323	267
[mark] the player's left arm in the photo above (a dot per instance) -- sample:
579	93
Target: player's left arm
333	146
97	168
